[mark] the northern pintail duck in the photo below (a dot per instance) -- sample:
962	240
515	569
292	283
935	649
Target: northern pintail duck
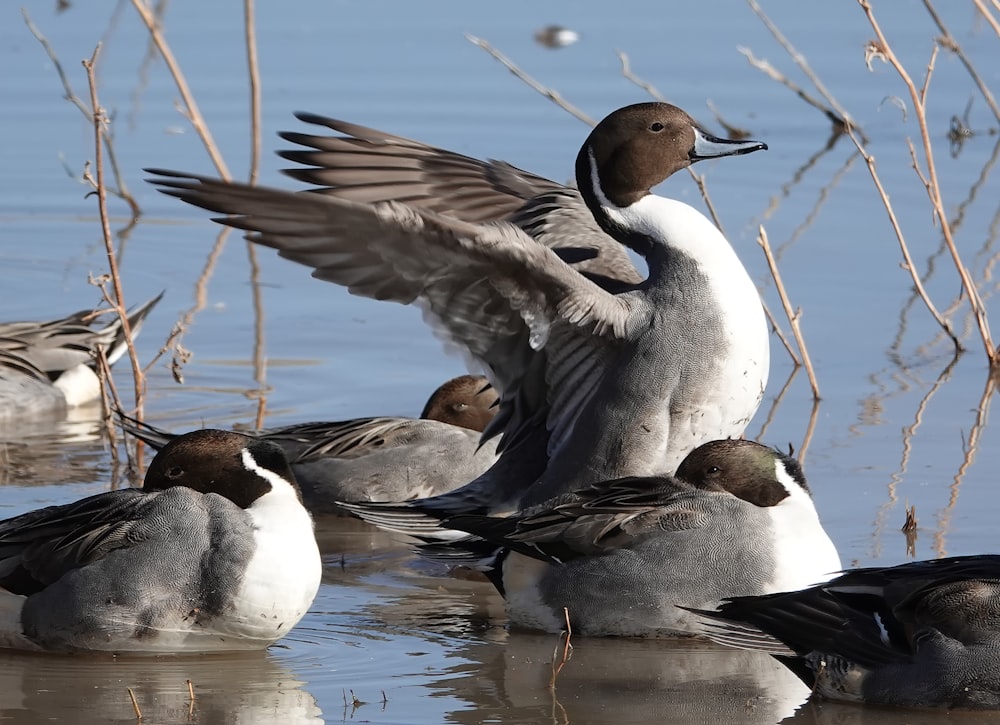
383	459
47	367
215	552
922	634
602	374
620	556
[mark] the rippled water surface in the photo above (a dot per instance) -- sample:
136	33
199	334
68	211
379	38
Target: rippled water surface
392	639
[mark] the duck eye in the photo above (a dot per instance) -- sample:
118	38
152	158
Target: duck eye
175	472
656	127
714	469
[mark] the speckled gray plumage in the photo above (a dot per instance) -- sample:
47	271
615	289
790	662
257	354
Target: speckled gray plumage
129	589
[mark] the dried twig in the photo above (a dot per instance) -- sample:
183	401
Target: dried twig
793	316
948	40
70	95
549	93
933	188
987	15
567	648
135	704
190	110
800	60
630	76
772	72
118	300
259	354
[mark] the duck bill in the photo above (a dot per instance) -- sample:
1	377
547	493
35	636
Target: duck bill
707	146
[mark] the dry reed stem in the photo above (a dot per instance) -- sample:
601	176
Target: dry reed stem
765	67
793	316
987	16
109	402
118	302
549	93
135	704
948	40
70	95
803	64
190	685
191	111
260	349
630	76
810	431
932	186
567	647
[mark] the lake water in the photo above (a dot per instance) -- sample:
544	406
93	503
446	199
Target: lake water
900	422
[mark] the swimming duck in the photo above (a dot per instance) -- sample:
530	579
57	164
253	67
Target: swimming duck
602	375
47	367
215	552
621	555
921	634
383	459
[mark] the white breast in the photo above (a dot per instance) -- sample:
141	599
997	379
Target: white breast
804	554
283	575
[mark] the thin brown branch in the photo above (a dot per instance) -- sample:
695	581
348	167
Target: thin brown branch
810	431
803	64
793	317
254	74
934	188
567	648
632	78
118	302
549	93
987	15
928	74
839	123
259	357
949	40
70	95
190	109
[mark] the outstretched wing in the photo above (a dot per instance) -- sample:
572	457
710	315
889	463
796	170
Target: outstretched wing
492	289
368	165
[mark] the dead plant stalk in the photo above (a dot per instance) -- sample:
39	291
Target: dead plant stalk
118	302
793	315
931	184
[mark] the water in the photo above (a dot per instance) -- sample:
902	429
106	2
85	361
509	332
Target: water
900	422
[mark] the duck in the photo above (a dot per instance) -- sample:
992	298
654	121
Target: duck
621	557
924	634
382	458
48	367
603	373
215	552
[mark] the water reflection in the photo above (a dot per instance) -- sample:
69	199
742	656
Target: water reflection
240	688
619	680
